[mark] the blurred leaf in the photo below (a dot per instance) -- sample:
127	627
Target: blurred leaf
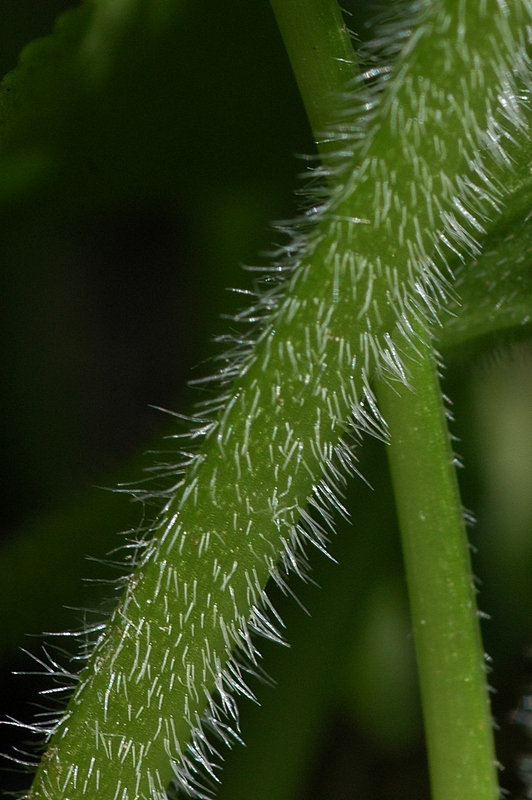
495	288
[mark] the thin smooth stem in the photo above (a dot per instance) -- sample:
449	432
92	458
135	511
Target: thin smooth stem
323	60
452	671
442	596
166	657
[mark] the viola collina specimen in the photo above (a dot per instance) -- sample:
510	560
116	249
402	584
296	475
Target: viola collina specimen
426	157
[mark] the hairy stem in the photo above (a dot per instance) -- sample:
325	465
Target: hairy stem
447	632
452	671
365	284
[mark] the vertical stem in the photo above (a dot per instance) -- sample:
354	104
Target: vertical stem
322	57
442	596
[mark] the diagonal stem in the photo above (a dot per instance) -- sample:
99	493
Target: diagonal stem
448	642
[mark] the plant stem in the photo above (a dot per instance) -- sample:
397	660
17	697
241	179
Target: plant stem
369	271
448	642
442	594
318	45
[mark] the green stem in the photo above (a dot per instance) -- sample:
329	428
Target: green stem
371	268
449	650
448	642
324	63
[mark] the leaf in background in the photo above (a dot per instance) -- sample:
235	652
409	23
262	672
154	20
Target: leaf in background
495	288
